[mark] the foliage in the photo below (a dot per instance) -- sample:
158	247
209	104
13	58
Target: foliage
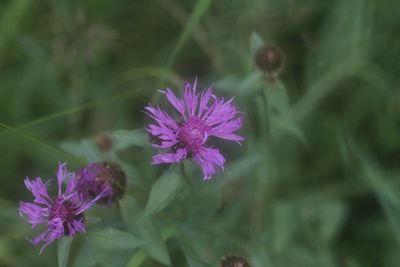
316	183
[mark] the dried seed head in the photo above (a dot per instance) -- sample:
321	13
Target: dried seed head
269	59
103	141
234	261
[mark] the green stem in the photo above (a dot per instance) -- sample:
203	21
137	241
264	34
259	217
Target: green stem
183	173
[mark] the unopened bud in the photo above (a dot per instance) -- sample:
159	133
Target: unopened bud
103	141
234	261
269	59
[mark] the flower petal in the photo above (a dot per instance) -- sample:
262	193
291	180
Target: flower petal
33	213
209	159
166	136
76	226
179	155
62	175
39	190
204	99
177	103
161	117
190	98
225	130
220	111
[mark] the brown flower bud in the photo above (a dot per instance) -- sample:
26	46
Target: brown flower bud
234	261
269	59
103	141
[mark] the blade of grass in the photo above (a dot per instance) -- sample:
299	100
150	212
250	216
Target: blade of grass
199	10
37	141
200	35
86	106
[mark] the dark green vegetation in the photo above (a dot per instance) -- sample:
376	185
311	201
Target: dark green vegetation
315	184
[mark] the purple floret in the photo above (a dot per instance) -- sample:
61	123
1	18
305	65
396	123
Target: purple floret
203	115
105	178
63	214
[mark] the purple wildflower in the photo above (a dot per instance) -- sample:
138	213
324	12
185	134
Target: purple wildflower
104	178
62	214
202	115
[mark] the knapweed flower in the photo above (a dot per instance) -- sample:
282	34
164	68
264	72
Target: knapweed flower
105	178
62	214
202	115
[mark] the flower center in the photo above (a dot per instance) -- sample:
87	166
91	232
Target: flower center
193	133
62	209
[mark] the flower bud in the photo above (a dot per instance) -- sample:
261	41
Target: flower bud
103	141
269	59
234	261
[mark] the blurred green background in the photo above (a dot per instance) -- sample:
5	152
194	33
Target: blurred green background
315	184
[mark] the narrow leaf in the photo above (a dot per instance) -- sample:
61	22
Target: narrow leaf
192	259
127	138
280	112
155	245
90	150
255	42
163	192
113	239
63	249
89	255
137	259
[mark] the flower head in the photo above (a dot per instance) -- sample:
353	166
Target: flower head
104	178
202	115
62	214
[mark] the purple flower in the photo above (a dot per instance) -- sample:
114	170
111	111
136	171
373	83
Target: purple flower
104	178
63	214
202	115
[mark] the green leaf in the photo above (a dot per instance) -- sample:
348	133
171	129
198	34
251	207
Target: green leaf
155	246
89	255
280	112
283	227
242	166
126	138
192	259
241	85
113	239
91	150
63	249
387	196
116	258
163	192
255	42
86	148
332	215
129	211
356	23
73	148
137	259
